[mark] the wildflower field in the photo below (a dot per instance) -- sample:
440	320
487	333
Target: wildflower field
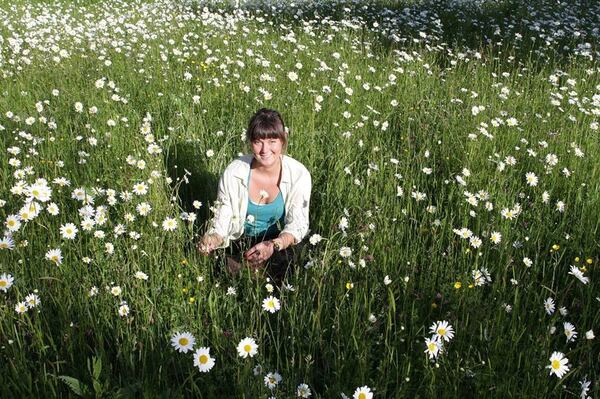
454	219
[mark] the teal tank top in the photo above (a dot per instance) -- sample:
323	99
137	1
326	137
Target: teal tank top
265	220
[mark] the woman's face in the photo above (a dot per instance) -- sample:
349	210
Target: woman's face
267	151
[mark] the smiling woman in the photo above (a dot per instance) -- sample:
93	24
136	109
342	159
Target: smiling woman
263	198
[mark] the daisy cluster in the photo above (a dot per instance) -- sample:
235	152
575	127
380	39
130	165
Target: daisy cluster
442	332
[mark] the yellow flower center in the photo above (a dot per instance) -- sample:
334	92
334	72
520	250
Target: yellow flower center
555	364
54	258
271	304
11	223
203	359
3	283
442	331
183	341
362	395
431	347
247	348
35	193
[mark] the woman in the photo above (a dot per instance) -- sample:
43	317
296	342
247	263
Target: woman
263	198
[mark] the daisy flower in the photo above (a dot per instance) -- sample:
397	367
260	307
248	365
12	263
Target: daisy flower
271	304
21	307
570	332
247	347
345	252
140	188
40	192
475	241
68	231
183	342
549	306
202	359
6	281
140	275
495	237
531	179
169	224
442	330
32	300
54	255
363	392
575	271
263	194
7	242
123	310
303	391
433	347
272	379
558	364
315	239
12	223
143	208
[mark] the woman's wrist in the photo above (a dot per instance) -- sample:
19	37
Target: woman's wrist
277	245
285	240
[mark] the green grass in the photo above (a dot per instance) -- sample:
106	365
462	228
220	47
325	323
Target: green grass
331	337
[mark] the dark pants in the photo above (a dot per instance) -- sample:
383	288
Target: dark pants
277	266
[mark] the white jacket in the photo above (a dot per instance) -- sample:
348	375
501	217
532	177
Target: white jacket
232	199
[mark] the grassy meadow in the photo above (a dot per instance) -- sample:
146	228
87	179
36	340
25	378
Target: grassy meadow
454	231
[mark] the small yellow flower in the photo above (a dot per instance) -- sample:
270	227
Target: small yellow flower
184	262
583	269
192	299
589	261
184	290
434	305
467	250
349	285
556	247
471	285
577	259
457	285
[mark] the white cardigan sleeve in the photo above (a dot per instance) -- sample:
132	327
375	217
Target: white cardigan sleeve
223	211
296	217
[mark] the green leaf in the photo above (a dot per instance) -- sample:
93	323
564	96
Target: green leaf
78	387
97	367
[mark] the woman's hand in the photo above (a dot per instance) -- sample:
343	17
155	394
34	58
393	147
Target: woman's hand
259	253
209	243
